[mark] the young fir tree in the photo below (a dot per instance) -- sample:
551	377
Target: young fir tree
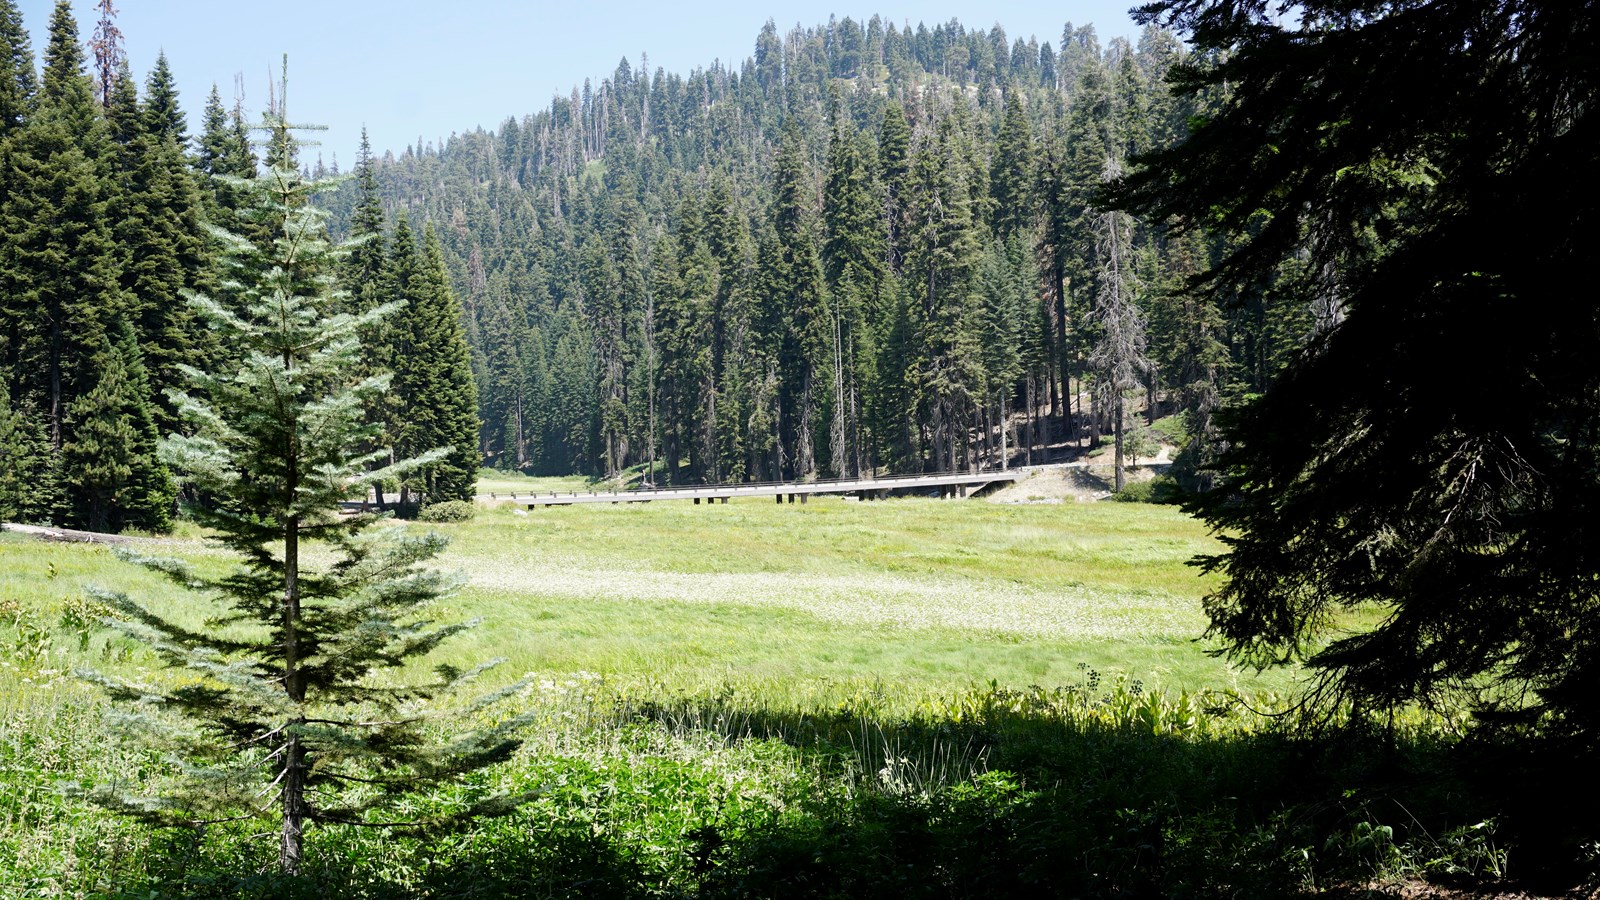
275	716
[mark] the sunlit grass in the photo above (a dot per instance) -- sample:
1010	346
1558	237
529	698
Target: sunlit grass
802	601
494	481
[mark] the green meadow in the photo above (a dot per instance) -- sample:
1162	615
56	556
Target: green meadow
913	697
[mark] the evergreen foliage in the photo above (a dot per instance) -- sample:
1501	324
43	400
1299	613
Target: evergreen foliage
69	353
433	374
157	224
746	251
1432	453
274	714
109	465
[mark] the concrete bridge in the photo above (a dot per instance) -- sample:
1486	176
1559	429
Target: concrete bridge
947	484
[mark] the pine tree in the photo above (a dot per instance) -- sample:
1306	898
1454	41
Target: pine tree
280	720
113	478
159	231
28	468
433	373
65	278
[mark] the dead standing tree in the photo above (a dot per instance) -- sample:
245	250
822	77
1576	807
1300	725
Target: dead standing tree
1119	358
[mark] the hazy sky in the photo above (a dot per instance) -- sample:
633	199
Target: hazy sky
407	68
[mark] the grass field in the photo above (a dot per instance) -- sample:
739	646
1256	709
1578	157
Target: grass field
920	595
909	698
915	597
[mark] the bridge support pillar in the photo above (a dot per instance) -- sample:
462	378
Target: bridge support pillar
779	498
724	501
803	497
697	501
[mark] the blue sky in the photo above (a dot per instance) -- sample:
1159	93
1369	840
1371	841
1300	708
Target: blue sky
411	68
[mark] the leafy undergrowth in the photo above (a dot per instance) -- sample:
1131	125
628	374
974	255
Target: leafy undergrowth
1099	789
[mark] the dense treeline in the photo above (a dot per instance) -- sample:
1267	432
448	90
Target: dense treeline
867	248
106	243
872	248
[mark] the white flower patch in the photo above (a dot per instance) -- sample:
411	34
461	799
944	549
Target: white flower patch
878	600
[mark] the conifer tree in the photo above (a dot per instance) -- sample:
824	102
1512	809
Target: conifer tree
362	275
223	150
1364	476
942	260
894	163
113	478
277	718
28	467
853	258
159	231
64	276
731	412
16	96
1011	183
433	373
798	321
16	69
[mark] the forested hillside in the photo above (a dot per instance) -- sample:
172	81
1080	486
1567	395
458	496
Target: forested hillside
868	247
872	248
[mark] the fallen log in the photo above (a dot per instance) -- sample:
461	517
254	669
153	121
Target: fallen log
65	535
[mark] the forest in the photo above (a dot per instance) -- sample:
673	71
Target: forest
871	249
866	248
1319	254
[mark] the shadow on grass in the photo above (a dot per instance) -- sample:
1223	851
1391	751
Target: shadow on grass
1007	794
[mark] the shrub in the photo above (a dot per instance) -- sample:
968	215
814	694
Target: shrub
1160	489
448	511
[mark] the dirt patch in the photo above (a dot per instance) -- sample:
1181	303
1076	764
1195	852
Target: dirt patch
1069	484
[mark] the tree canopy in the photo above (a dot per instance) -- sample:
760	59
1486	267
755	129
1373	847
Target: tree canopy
1422	177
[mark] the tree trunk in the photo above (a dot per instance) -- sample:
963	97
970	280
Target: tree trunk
1062	282
291	851
294	774
1005	422
1121	480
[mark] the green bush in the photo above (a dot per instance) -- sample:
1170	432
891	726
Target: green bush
448	511
1160	489
1134	492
